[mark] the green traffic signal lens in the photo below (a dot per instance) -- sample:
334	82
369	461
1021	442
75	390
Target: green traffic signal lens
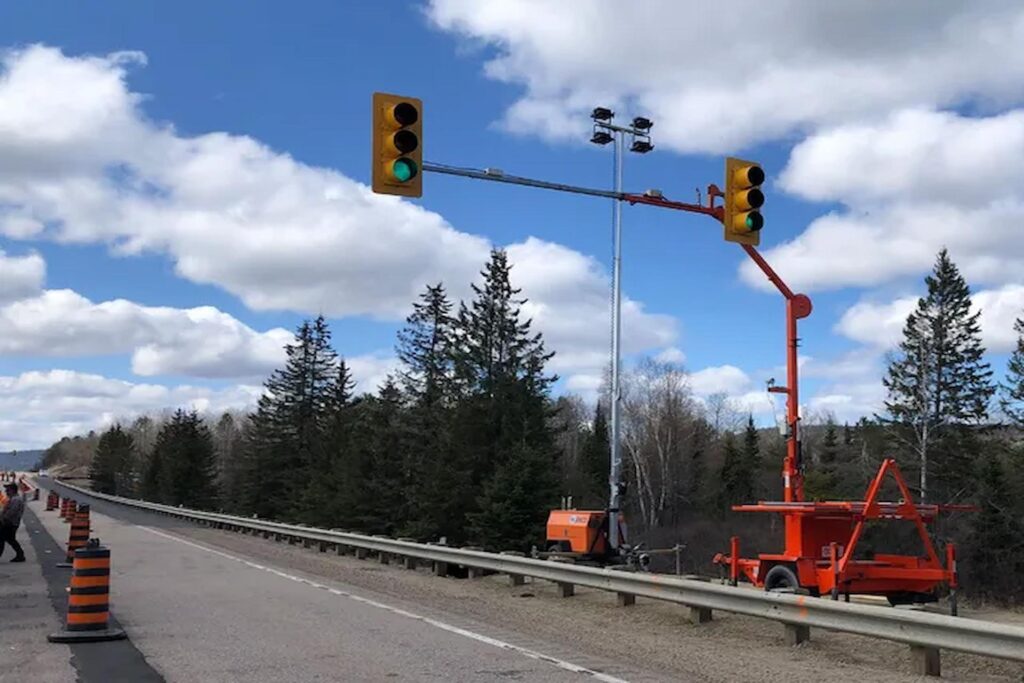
754	221
404	170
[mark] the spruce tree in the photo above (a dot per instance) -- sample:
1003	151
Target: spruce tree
1012	399
111	468
822	481
751	451
435	485
938	380
995	547
594	464
187	466
502	425
735	484
289	424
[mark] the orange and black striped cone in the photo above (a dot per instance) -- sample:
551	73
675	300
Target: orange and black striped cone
88	618
78	536
51	501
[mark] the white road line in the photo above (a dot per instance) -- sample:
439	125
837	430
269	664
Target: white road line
532	654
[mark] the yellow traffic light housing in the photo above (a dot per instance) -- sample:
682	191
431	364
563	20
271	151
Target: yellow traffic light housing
742	201
397	164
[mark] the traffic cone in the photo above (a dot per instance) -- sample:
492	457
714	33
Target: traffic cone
51	501
88	619
78	535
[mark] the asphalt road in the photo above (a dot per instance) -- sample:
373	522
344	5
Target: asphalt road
202	604
201	614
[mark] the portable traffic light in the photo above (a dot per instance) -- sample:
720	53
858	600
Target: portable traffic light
397	145
742	202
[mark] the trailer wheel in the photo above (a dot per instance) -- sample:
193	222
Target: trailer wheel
560	547
781	578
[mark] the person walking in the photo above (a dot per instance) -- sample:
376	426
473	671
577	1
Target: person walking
10	520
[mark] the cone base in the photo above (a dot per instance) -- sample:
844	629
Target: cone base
87	636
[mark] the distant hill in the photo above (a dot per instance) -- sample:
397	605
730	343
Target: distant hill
20	460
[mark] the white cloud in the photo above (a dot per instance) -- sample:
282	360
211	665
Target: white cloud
877	324
371	370
806	64
233	213
569	301
723	379
39	408
671	354
913	183
913	155
880	325
200	342
20	276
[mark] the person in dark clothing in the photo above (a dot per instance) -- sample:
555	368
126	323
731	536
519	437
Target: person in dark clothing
10	520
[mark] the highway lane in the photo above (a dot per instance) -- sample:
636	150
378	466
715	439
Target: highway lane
650	641
200	614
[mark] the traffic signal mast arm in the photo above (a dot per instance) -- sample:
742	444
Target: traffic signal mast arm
797	306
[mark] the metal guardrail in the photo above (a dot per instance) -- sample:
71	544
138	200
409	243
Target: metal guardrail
925	632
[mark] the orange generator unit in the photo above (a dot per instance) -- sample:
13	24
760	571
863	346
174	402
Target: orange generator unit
579	532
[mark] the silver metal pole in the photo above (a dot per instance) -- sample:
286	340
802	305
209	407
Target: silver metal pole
615	475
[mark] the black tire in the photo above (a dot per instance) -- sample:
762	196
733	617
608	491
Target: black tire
781	578
560	547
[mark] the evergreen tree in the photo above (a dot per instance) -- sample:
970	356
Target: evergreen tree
995	547
502	425
822	481
111	467
1012	399
595	463
289	424
186	463
847	434
751	448
938	379
735	485
375	494
435	485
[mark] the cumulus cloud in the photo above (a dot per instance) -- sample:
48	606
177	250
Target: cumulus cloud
234	213
199	342
20	276
815	63
880	325
39	408
911	184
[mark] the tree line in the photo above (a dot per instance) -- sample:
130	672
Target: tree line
466	442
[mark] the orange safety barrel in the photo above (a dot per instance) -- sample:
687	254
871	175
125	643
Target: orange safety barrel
51	501
78	535
67	512
88	617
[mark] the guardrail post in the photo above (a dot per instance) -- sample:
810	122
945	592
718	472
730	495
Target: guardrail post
626	599
360	553
565	590
515	579
797	634
700	615
439	568
925	661
473	572
323	546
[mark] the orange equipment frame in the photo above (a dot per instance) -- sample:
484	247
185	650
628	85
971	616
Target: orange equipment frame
821	539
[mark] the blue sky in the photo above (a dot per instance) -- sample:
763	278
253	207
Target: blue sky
128	205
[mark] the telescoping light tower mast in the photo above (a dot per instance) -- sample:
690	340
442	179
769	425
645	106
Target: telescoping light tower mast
604	133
